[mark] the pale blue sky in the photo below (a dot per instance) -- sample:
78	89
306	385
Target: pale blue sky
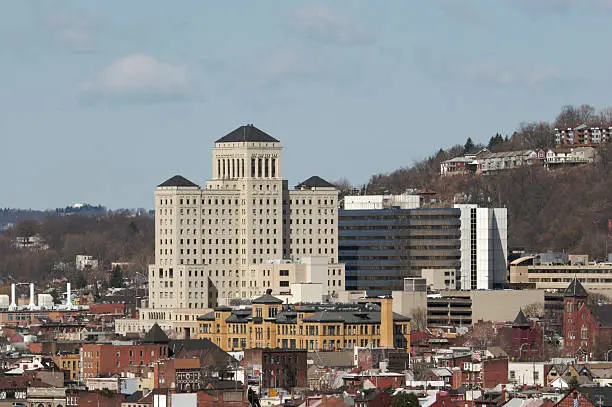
102	100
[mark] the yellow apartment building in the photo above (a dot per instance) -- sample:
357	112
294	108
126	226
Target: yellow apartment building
70	363
269	323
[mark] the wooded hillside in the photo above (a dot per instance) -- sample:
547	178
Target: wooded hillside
565	209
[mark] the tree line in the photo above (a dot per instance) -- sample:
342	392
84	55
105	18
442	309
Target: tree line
109	238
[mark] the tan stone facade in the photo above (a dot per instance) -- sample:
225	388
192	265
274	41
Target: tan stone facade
214	244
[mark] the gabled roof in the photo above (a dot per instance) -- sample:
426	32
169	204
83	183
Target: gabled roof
156	335
247	133
521	320
267	299
575	289
178	181
314	182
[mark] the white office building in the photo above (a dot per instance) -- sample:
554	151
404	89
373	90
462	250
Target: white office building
484	247
369	202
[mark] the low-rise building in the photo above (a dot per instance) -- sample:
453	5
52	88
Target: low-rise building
570	156
70	363
468	307
86	262
524	272
269	324
279	368
119	357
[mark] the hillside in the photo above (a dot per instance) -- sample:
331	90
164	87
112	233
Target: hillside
108	238
566	209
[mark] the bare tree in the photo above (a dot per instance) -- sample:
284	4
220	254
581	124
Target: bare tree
534	310
419	319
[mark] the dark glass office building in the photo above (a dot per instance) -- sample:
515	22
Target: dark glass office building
381	247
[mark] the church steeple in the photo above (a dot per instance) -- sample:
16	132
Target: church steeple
521	320
575	290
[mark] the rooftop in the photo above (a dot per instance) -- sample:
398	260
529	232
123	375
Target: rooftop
178	181
315	182
575	289
247	133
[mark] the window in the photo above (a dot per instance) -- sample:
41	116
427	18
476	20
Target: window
284	273
284	283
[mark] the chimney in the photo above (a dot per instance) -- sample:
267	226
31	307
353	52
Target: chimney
32	305
68	294
386	322
13	305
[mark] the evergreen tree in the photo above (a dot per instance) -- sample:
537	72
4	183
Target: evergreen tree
116	279
405	399
469	145
78	280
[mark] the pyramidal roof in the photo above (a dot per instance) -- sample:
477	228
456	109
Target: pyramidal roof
521	319
156	335
178	181
575	289
248	133
267	299
315	182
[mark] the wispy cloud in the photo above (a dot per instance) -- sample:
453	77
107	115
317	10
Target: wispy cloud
139	78
320	23
72	32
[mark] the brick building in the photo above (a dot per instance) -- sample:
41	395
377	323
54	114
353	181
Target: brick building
280	368
587	328
526	338
108	358
587	397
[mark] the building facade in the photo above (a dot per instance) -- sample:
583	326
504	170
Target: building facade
213	243
382	247
524	272
587	328
582	135
270	324
484	247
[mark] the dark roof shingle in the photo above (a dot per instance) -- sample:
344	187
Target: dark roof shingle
248	133
156	335
267	299
521	319
575	289
315	182
178	181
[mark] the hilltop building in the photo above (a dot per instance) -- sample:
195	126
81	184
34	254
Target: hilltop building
582	135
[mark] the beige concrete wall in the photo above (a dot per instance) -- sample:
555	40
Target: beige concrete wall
406	302
502	305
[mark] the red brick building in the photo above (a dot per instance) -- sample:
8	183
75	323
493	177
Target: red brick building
526	338
280	368
108	358
587	331
587	397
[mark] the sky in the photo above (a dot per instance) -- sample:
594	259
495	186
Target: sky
100	101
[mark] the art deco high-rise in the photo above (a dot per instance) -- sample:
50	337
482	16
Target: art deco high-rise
212	243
